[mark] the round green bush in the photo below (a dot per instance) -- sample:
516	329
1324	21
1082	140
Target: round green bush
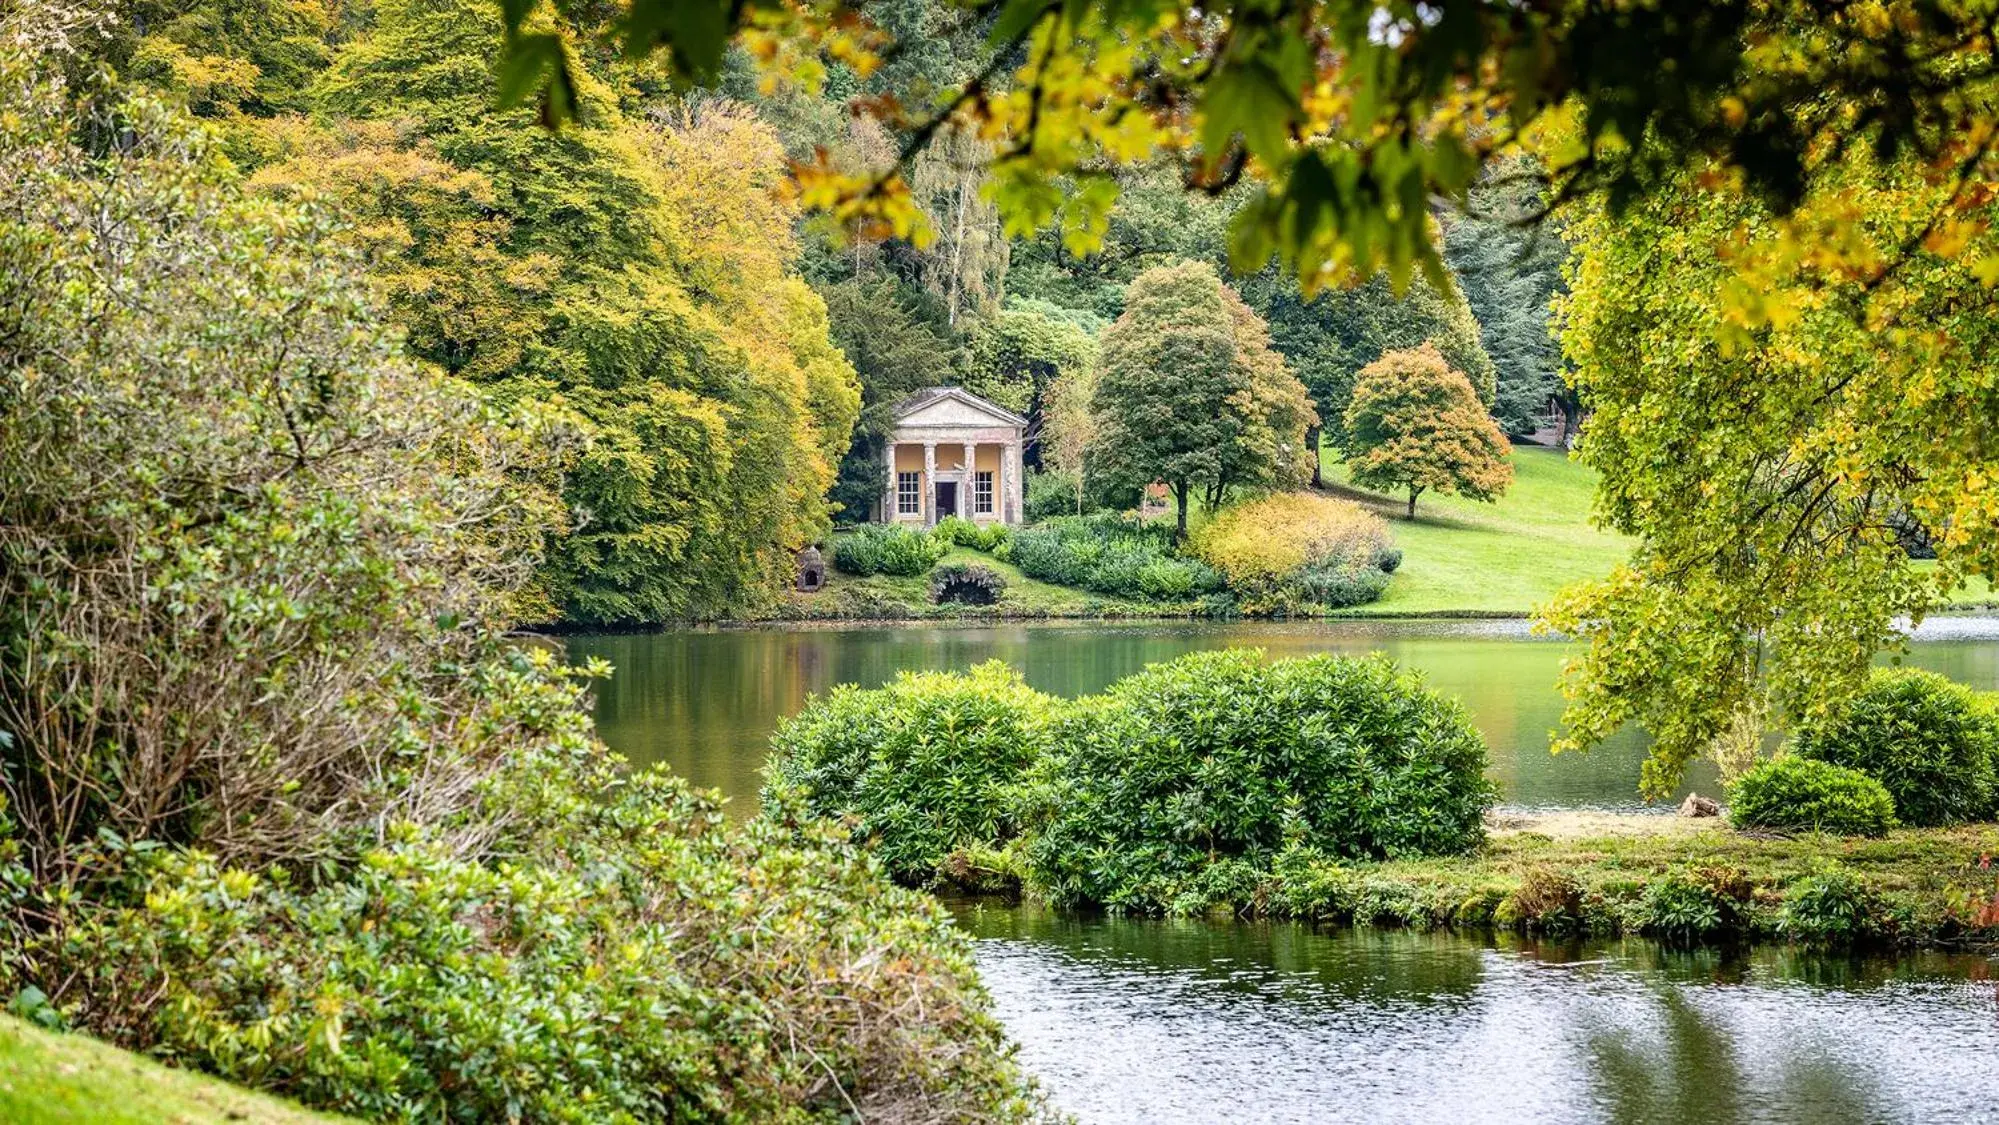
1220	756
1929	741
922	766
1796	792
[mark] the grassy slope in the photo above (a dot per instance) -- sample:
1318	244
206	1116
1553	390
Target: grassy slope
1505	557
48	1079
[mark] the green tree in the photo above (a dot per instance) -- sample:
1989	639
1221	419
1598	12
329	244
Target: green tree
1329	337
1191	394
1017	355
1511	271
1416	425
897	350
1352	115
1765	415
636	277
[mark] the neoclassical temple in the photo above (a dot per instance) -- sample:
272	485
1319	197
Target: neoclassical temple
953	454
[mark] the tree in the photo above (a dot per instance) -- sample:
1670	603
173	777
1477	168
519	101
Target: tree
1331	336
1190	393
1021	352
1766	416
1351	115
1416	425
896	349
1511	272
634	276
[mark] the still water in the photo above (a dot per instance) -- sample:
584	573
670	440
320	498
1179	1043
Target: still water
705	701
1170	1021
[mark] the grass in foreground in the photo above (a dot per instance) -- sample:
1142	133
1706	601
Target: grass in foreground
50	1079
1508	557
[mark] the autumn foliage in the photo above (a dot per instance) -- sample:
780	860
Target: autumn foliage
1417	426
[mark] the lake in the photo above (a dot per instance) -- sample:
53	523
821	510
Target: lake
1152	1021
705	701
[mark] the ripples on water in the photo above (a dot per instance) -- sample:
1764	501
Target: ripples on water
1138	1021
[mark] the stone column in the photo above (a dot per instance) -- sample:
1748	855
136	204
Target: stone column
1001	474
1016	479
968	487
889	512
929	483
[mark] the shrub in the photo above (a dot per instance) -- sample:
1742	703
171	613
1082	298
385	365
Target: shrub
1337	587
922	766
967	583
888	549
638	960
1547	901
1704	904
1050	494
965	533
1796	792
1219	756
1261	544
1830	907
1110	553
1930	742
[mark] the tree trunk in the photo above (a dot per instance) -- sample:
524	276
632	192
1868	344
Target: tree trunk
1312	438
1413	493
1180	498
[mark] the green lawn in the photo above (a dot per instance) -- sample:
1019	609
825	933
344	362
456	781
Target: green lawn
48	1079
1508	557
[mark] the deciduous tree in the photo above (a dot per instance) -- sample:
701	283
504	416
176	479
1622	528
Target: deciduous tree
1416	425
1191	394
1765	416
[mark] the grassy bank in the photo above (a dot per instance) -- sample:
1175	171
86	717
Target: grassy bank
1508	557
1609	875
1694	880
1460	558
49	1079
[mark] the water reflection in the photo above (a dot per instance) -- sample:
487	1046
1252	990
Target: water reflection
1131	1020
706	701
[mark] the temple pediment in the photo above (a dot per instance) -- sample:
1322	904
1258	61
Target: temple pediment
952	407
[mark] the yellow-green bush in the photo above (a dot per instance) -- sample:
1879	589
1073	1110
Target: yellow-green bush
1263	547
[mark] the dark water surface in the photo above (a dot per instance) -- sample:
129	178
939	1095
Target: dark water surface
1195	1021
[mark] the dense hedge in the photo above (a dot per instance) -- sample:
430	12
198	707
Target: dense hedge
1932	743
1220	758
1799	792
1110	553
1187	775
922	765
888	549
